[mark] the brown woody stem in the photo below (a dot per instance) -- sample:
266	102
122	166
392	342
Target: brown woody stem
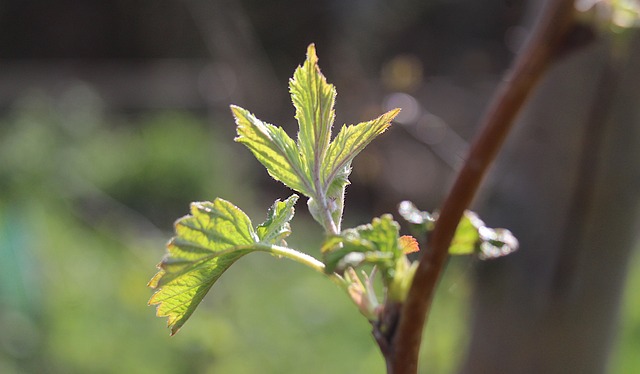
548	41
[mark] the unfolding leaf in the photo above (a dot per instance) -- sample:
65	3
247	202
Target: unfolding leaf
383	232
466	237
350	141
274	149
471	235
376	243
408	244
400	282
312	165
207	243
277	227
314	100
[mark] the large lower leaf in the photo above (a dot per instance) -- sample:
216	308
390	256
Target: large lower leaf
207	243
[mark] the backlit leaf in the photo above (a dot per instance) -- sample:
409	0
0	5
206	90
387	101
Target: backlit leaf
313	165
277	227
377	243
466	236
274	149
408	244
207	242
314	100
350	141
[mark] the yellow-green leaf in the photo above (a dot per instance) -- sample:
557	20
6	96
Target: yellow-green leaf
350	141
314	100
207	242
274	149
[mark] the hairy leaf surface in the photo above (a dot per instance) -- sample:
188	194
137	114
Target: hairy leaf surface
274	149
375	243
207	242
350	141
314	100
312	165
277	226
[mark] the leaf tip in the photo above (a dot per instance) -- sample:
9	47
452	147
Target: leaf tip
236	111
393	113
311	53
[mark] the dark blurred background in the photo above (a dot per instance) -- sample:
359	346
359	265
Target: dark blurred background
114	116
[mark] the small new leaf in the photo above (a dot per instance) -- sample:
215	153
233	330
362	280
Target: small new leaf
207	242
313	165
471	236
314	100
276	227
350	141
465	239
377	243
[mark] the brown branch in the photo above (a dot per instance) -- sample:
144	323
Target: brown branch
548	41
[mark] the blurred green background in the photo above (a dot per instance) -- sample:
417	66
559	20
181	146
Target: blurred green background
86	208
114	117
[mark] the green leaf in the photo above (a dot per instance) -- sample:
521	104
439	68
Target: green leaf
471	236
274	149
350	141
207	243
314	100
383	232
276	227
378	242
312	165
466	237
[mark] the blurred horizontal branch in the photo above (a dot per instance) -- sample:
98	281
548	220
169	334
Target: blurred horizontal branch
125	84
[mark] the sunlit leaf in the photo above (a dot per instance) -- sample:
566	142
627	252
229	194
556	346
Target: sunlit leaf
207	242
314	100
350	141
471	235
377	243
408	244
313	165
274	149
277	227
466	237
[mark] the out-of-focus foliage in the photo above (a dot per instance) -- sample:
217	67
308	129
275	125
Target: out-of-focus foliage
86	206
626	358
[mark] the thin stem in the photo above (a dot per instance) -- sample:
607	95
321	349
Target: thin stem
545	44
306	260
296	256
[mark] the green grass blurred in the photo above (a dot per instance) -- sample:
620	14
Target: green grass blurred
86	206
